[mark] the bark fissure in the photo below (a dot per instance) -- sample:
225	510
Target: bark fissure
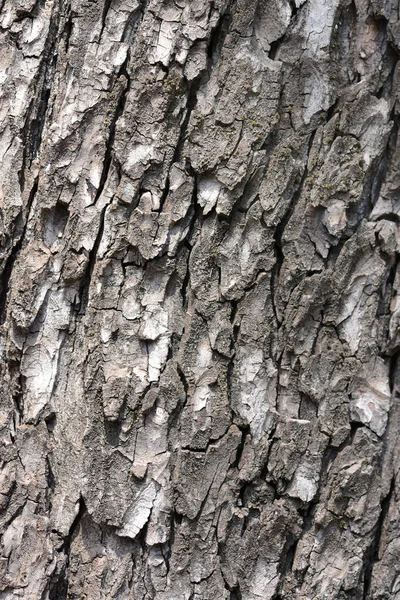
13	256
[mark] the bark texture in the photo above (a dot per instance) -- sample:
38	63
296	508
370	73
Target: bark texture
200	301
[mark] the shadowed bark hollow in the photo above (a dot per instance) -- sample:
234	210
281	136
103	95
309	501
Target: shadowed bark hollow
199	299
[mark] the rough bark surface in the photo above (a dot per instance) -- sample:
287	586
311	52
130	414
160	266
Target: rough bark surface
200	301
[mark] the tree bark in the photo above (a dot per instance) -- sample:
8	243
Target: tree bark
199	299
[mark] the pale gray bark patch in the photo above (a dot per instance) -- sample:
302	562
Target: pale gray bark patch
199	299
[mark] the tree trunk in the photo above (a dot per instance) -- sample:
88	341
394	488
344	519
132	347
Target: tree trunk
199	299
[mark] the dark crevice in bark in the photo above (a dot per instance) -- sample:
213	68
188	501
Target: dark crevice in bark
354	427
31	13
68	29
184	248
213	52
270	142
191	101
143	6
386	164
277	44
279	258
372	553
279	231
112	430
174	416
108	157
389	217
388	87
190	105
51	484
378	180
275	47
335	251
218	35
245	431
84	287
185	384
285	566
391	276
372	187
386	292
307	512
51	422
360	211
106	8
36	115
332	110
175	522
233	346
235	593
320	325
232	591
14	369
9	265
241	205
132	25
186	280
58	585
123	76
141	537
197	217
329	457
295	9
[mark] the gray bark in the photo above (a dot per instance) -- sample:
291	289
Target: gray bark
199	299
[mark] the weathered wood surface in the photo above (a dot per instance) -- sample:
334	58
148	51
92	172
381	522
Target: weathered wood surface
199	299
